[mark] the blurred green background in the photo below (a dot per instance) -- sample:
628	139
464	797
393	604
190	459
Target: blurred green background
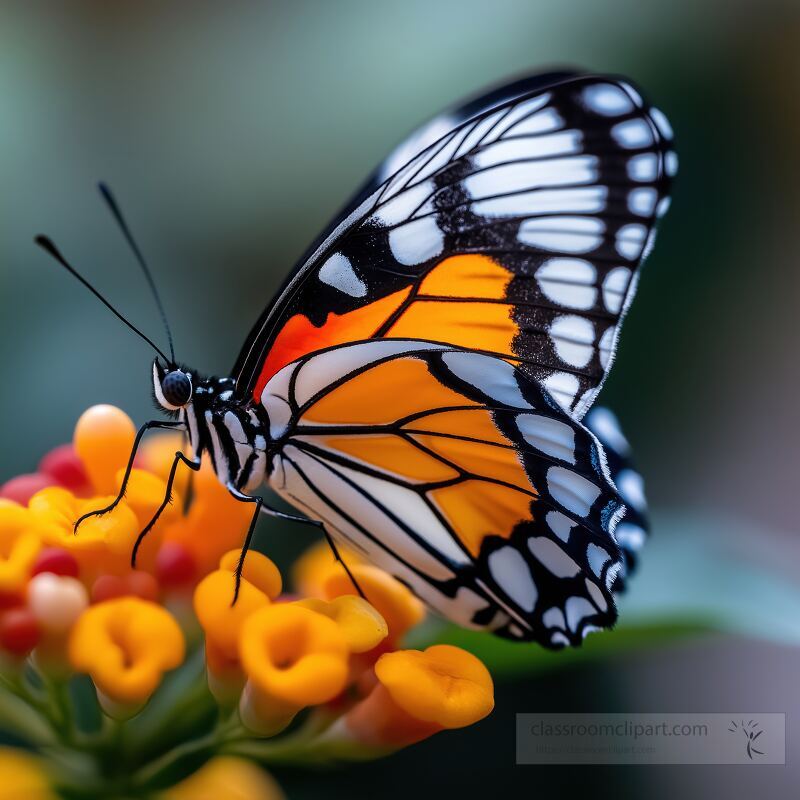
232	131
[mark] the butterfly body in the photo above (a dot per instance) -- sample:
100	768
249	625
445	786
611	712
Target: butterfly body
418	387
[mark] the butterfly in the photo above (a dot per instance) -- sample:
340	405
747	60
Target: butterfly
419	387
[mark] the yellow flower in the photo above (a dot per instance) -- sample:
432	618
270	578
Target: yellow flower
102	544
126	645
419	693
19	545
293	657
363	627
226	778
395	603
23	777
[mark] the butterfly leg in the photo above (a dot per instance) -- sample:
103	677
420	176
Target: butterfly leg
261	508
273	512
152	425
188	498
179	458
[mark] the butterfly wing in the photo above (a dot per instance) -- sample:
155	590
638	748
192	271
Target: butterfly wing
633	530
512	226
458	474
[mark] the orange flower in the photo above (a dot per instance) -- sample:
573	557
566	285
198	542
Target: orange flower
223	622
293	657
125	645
216	522
226	778
311	571
418	693
144	495
258	570
396	604
103	439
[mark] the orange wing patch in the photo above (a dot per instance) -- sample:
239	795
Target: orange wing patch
450	306
392	454
299	336
467	276
477	509
478	325
480	458
382	395
473	423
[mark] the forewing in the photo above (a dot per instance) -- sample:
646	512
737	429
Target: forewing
459	475
511	226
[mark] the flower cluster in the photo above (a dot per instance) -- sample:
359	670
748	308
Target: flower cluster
164	665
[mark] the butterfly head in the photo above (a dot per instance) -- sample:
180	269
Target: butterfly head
172	386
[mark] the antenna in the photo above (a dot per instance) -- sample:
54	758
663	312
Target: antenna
47	245
126	232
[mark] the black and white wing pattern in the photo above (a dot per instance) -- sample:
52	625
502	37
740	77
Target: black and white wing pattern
459	475
632	532
514	226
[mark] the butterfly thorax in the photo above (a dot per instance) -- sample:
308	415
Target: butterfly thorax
234	435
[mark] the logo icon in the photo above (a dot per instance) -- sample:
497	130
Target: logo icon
751	731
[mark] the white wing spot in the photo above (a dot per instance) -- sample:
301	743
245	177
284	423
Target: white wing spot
671	163
553	557
631	487
597	558
568	282
588	200
416	241
543	122
630	240
562	234
605	346
632	133
554	618
493	376
604	424
550	436
643	168
596	594
573	339
661	121
607	100
629	536
338	272
404	204
511	572
642	201
615	287
634	95
563	386
560	524
578	608
573	491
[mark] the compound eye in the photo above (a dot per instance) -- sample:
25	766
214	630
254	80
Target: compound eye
176	387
